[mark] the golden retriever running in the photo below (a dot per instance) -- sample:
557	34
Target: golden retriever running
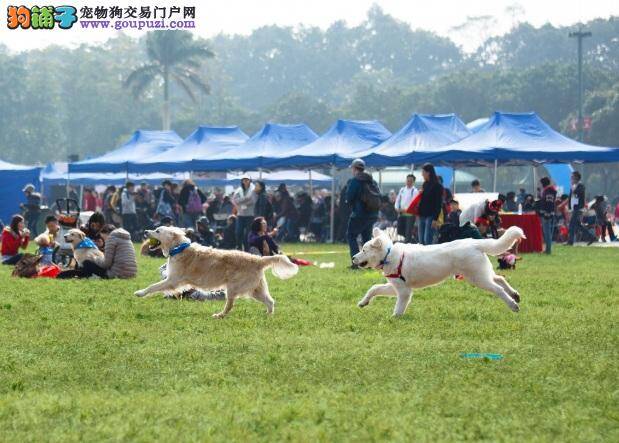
196	266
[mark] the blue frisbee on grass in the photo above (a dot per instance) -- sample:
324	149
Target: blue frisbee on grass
482	356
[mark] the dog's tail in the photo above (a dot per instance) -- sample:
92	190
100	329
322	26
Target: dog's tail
503	243
281	266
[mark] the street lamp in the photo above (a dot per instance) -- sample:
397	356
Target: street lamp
580	35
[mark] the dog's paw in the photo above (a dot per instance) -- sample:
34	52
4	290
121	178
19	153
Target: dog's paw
219	315
516	297
514	307
362	303
140	293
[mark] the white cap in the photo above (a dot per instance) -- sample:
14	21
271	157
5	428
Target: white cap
358	163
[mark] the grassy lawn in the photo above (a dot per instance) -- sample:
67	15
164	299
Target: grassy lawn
88	361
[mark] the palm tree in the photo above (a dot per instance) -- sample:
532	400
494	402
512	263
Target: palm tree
173	55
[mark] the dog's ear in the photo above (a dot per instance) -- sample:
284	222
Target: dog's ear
376	232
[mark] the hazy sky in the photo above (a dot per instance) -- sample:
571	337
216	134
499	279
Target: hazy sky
242	16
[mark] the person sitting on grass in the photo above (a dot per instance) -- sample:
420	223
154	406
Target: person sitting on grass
120	261
93	227
261	241
228	238
14	237
46	241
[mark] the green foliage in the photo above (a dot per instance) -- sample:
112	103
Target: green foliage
88	361
58	101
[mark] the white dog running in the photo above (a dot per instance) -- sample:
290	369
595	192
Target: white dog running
409	266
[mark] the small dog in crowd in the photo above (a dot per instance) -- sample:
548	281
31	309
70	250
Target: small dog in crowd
194	266
412	266
83	248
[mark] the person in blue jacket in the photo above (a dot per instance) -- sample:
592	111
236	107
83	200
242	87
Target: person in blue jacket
363	198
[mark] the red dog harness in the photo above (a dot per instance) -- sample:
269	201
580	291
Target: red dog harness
398	272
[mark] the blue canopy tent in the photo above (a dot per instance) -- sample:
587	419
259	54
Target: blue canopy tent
336	147
205	141
143	144
292	177
58	174
517	138
476	124
270	141
13	178
421	132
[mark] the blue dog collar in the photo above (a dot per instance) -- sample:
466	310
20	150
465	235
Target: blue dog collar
178	249
384	261
86	244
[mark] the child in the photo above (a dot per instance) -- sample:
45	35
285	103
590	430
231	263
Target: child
47	240
453	216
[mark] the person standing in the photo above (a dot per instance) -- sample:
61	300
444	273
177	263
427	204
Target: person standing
89	201
32	208
286	215
548	198
403	200
577	204
245	200
363	198
476	186
263	207
430	205
129	213
191	200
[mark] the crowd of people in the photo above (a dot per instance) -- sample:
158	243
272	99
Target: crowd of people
429	214
256	219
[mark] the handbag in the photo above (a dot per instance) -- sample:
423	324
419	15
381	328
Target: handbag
413	208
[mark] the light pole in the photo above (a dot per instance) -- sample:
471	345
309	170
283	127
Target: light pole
580	35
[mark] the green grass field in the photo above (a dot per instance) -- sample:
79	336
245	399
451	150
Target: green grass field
88	361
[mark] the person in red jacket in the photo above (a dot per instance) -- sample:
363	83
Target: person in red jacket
14	238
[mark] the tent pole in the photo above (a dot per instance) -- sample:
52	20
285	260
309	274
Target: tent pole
259	173
332	212
534	180
496	164
453	181
380	178
311	188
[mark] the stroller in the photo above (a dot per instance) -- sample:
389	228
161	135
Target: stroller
68	214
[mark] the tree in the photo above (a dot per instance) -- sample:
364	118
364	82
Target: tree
173	55
301	108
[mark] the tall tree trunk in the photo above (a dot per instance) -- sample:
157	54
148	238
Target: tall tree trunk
166	99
